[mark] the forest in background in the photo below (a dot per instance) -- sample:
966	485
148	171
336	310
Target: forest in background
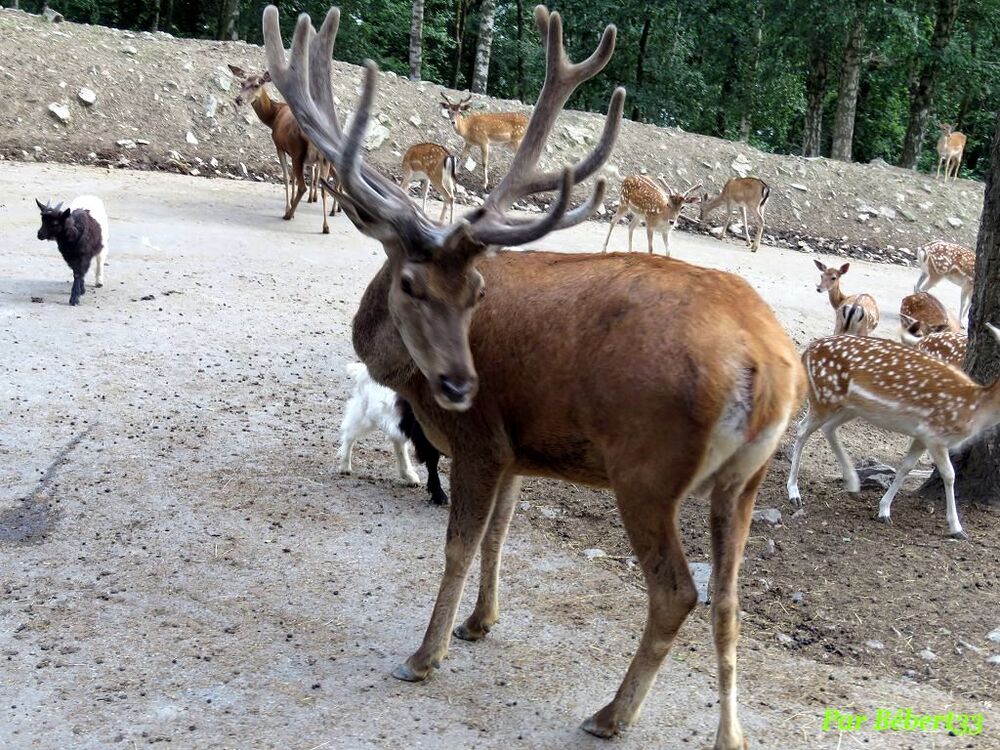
856	81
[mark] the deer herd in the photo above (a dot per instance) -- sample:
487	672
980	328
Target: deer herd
587	367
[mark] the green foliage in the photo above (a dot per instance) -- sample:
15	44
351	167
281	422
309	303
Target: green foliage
702	69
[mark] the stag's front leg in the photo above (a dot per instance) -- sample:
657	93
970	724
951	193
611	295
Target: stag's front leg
487	611
474	492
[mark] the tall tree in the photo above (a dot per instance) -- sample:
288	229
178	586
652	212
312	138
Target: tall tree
416	38
816	79
233	20
977	465
847	92
923	94
484	46
639	67
461	16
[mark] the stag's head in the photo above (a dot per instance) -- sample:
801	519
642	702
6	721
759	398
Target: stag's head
250	84
455	110
677	201
830	276
946	129
53	220
433	283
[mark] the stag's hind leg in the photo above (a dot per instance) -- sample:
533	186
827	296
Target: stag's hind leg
487	611
650	518
473	496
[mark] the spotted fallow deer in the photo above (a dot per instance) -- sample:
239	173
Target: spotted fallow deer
629	364
948	346
288	140
899	389
645	200
854	313
950	146
483	128
945	260
922	313
746	193
431	164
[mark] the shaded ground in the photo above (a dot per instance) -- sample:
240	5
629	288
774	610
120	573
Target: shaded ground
182	567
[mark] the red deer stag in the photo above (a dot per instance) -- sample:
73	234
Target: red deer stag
288	141
899	389
623	351
484	128
950	146
646	200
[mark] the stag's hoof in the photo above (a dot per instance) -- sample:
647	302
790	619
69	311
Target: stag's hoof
286	217
887	520
406	673
599	726
960	535
471	631
326	230
439	498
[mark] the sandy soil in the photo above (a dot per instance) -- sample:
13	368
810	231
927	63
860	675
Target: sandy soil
182	566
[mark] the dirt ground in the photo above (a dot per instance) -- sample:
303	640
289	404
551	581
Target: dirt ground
167	104
183	567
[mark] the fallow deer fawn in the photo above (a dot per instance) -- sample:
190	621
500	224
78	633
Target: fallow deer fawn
856	313
948	346
950	146
899	389
484	128
646	200
567	395
432	164
945	260
288	141
746	193
928	313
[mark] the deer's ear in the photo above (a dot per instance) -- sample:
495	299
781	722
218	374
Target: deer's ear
820	266
266	78
238	72
845	268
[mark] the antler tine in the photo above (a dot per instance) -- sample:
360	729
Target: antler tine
321	50
583	212
670	190
491	231
691	189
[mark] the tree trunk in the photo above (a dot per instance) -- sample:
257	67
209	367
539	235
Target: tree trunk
639	72
750	81
416	39
812	137
847	92
460	13
522	79
484	46
155	26
923	95
233	21
977	465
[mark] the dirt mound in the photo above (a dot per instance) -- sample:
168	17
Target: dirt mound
89	94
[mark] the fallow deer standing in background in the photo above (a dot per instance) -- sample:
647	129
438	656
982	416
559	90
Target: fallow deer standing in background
288	140
924	313
645	200
950	146
948	346
855	313
431	164
483	128
564	392
746	193
945	260
898	389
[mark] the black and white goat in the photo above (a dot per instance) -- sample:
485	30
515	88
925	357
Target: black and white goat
81	232
373	407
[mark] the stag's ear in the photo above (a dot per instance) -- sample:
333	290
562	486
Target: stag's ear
238	72
820	266
266	78
845	268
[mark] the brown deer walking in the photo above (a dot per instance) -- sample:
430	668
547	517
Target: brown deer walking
431	164
484	128
644	198
855	313
465	338
950	146
289	142
745	193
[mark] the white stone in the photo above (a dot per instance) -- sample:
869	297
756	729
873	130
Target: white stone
210	106
955	221
130	50
470	164
593	553
994	635
927	655
416	121
87	96
60	112
190	138
800	186
125	143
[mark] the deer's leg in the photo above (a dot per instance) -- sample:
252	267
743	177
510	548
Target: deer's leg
485	149
846	467
965	304
633	223
807	426
448	202
283	158
649	236
760	230
937	174
939	454
487	610
473	495
729	219
746	227
905	467
300	186
322	173
671	592
622	210
427	189
666	240
403	464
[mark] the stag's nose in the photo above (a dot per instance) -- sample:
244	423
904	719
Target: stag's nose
457	389
239	100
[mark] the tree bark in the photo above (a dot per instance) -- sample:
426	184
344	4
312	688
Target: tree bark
416	39
233	20
847	92
812	137
640	62
155	26
484	46
923	95
977	465
522	79
750	80
461	9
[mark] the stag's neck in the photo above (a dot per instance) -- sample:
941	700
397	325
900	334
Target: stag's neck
377	341
265	108
837	297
